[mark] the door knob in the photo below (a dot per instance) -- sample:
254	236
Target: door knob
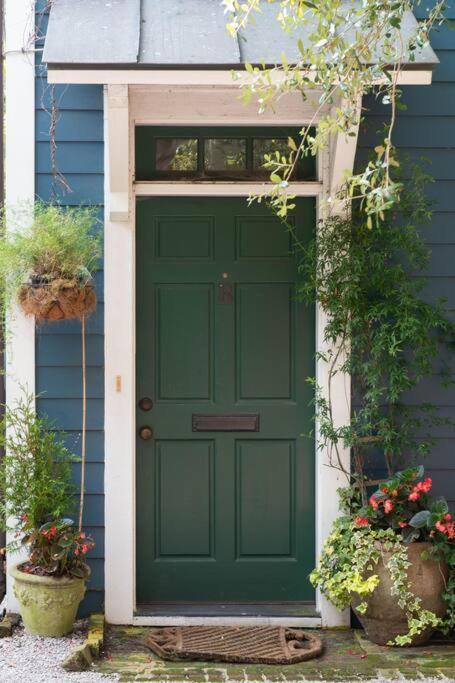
146	403
145	433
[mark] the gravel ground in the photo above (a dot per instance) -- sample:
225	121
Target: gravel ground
31	659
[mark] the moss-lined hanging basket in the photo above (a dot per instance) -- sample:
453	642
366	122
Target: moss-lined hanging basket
57	300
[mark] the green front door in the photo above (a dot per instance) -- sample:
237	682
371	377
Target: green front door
225	476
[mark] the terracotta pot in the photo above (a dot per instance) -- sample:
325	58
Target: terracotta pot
384	618
57	300
48	605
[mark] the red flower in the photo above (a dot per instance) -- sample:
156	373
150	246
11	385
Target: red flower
414	495
440	527
374	502
447	517
388	506
384	489
402	524
361	521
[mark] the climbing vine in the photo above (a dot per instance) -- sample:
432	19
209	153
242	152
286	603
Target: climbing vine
350	49
380	331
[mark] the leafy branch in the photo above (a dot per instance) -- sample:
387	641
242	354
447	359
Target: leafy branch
350	49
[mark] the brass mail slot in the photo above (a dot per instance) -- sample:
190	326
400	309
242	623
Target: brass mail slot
240	422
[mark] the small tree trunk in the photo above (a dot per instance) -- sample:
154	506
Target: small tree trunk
84	425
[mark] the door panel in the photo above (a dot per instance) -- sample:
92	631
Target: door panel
264	341
184	341
223	515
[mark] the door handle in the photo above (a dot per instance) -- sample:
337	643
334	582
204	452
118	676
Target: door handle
145	433
146	404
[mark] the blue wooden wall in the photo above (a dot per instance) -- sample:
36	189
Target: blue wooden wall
80	157
425	133
427	130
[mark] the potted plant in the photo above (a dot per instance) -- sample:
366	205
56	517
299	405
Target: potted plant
48	267
35	478
393	560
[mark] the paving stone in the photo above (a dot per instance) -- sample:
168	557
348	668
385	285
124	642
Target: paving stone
347	657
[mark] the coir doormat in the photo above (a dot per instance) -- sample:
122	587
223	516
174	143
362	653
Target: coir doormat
249	645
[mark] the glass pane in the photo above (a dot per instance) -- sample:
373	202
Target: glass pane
263	146
225	154
176	154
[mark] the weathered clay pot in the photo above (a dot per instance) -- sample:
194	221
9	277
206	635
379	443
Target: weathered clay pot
48	605
384	618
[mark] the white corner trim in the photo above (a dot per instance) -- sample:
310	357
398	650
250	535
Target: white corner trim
118	152
120	359
337	161
20	191
187	77
342	150
120	371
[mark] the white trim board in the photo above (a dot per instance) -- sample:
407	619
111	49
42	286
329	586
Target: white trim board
186	77
221	189
296	622
20	191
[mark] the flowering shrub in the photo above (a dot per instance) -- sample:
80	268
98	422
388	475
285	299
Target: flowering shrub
400	512
35	476
56	548
403	503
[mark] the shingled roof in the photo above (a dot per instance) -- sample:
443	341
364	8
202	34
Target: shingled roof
177	34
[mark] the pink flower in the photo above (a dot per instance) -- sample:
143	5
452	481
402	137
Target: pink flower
447	517
424	485
374	502
361	521
440	527
414	495
388	506
402	524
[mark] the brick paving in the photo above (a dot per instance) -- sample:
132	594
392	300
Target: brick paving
347	657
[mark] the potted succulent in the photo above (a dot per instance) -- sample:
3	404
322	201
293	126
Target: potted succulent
48	267
393	561
35	478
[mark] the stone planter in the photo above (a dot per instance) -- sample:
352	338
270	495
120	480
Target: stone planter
384	618
48	605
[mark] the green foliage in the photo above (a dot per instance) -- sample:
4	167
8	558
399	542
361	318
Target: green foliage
350	49
35	473
59	244
379	330
37	493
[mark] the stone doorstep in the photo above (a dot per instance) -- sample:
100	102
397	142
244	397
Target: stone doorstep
83	656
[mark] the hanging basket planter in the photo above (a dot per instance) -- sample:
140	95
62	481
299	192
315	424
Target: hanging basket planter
57	300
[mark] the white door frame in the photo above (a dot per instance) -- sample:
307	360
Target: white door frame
124	107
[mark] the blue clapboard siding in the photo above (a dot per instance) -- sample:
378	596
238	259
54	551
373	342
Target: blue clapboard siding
425	133
80	158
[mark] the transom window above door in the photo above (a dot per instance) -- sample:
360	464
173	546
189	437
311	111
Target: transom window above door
215	153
